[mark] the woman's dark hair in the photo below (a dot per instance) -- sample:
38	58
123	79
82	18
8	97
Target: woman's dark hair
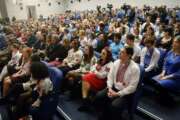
108	58
35	58
129	50
93	35
48	38
55	37
123	30
118	35
169	30
39	71
105	37
87	58
66	30
149	27
137	24
130	37
150	40
76	43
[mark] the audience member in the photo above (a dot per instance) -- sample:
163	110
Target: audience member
122	82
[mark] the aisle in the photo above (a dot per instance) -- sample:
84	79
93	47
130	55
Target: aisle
150	104
69	108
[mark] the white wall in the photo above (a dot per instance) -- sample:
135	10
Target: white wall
44	9
14	10
87	5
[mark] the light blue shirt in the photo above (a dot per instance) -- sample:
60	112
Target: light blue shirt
115	48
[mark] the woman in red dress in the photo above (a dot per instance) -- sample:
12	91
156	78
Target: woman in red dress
95	80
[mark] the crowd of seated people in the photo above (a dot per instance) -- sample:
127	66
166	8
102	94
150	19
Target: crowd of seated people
100	50
21	72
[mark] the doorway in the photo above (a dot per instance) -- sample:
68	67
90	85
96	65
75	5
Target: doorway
31	12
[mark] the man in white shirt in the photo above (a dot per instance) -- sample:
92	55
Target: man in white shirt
149	58
74	58
122	82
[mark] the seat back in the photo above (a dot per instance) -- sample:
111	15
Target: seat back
3	43
49	103
136	95
162	57
56	76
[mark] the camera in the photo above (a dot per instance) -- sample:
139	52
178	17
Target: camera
99	8
110	6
